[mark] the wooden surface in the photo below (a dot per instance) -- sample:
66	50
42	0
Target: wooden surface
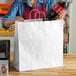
6	1
7	34
69	69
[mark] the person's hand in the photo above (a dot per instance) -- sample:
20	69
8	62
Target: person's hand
8	22
61	15
19	18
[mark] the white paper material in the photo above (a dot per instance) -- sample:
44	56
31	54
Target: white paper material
38	45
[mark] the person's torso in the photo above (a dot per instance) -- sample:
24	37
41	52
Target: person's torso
48	4
34	12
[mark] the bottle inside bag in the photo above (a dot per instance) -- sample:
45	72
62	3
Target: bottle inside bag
59	6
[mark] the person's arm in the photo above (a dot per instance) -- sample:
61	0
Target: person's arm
8	22
49	4
10	18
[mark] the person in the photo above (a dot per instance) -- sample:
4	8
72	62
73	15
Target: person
20	10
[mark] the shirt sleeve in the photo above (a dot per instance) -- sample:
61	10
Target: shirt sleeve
49	4
12	12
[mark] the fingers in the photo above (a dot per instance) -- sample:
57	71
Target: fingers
21	20
57	17
62	14
18	18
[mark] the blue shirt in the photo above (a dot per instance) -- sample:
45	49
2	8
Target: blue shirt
17	8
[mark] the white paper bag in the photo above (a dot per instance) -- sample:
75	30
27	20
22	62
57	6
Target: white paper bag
38	45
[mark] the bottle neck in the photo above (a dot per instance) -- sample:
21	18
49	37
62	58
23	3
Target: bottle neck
64	4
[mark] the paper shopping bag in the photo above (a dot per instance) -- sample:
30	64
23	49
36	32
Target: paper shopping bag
38	45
